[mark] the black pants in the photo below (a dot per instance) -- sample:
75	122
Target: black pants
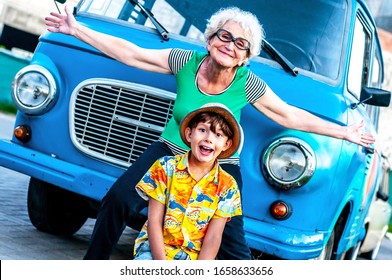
121	206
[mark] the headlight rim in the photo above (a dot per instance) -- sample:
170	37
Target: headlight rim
304	176
48	103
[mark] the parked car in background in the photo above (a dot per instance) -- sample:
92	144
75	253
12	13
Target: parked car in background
83	118
379	217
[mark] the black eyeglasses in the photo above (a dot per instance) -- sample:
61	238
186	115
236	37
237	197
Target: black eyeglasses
226	36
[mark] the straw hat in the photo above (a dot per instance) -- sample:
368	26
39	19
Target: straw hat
222	110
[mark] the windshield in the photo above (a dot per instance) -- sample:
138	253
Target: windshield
309	33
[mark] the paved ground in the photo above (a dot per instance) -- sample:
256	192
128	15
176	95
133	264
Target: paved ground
21	240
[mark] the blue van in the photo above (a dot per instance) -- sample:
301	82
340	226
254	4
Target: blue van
83	118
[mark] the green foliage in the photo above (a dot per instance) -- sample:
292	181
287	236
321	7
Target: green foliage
8	108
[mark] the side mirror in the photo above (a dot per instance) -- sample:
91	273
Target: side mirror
373	96
61	1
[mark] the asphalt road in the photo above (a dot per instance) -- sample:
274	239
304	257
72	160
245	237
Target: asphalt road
19	240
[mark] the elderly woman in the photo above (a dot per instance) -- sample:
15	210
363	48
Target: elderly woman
232	37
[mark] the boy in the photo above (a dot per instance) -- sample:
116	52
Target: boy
190	196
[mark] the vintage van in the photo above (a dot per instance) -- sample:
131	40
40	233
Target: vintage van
83	118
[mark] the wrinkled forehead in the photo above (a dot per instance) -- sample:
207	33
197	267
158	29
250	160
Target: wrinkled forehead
236	29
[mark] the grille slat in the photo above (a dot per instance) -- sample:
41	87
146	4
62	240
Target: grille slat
116	121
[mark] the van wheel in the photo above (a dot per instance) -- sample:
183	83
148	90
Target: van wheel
352	253
55	210
326	253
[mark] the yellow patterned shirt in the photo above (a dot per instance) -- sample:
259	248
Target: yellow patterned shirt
190	205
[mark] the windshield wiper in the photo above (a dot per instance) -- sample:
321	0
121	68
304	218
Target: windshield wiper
147	13
280	58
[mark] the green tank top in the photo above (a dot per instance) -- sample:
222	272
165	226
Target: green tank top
189	97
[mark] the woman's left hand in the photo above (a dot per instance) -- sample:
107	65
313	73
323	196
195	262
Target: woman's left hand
355	134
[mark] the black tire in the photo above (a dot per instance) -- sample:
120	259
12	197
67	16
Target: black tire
352	253
55	210
329	251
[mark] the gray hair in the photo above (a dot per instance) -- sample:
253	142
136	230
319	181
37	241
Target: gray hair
254	31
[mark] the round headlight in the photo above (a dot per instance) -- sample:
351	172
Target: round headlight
33	90
288	163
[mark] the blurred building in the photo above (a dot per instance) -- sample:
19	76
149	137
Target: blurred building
382	13
22	21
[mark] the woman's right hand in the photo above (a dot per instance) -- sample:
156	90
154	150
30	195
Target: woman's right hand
154	60
59	23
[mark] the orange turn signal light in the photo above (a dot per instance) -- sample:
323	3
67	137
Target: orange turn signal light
22	133
280	210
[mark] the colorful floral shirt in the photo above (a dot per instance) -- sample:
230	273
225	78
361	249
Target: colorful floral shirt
190	205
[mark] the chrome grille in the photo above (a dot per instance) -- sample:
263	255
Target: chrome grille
116	121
